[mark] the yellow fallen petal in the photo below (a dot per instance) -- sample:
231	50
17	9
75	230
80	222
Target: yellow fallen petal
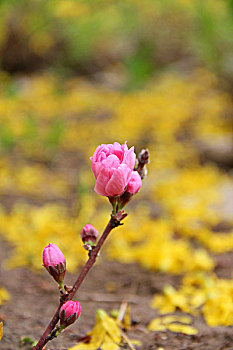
136	342
112	329
109	344
1	330
4	295
105	334
156	325
162	304
97	335
181	328
82	346
176	318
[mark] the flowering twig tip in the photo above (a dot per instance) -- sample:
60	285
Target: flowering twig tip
118	178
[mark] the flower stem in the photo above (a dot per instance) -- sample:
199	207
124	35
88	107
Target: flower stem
114	201
113	222
62	286
114	205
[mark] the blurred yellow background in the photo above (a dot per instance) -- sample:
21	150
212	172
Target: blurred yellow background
75	74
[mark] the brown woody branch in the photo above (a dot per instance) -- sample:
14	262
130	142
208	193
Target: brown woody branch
113	222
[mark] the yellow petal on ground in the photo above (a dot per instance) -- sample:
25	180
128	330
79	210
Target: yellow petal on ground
201	293
181	328
160	302
164	322
106	334
109	344
176	318
4	295
82	346
97	336
156	325
136	342
109	325
1	330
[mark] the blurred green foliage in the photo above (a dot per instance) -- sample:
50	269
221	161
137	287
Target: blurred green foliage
130	36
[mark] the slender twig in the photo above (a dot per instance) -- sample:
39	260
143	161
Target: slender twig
120	318
122	311
113	222
127	340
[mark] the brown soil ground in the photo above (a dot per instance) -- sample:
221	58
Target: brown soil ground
34	298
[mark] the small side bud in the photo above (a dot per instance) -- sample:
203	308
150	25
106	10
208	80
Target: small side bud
135	183
143	156
89	235
143	159
54	262
69	313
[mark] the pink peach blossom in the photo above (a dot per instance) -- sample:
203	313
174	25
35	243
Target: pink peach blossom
69	312
112	165
54	261
135	183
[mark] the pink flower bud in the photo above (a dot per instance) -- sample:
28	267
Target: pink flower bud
112	165
134	183
69	312
55	262
89	234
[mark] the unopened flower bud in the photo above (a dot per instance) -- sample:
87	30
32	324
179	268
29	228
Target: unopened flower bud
134	183
89	234
143	156
143	159
69	313
55	262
